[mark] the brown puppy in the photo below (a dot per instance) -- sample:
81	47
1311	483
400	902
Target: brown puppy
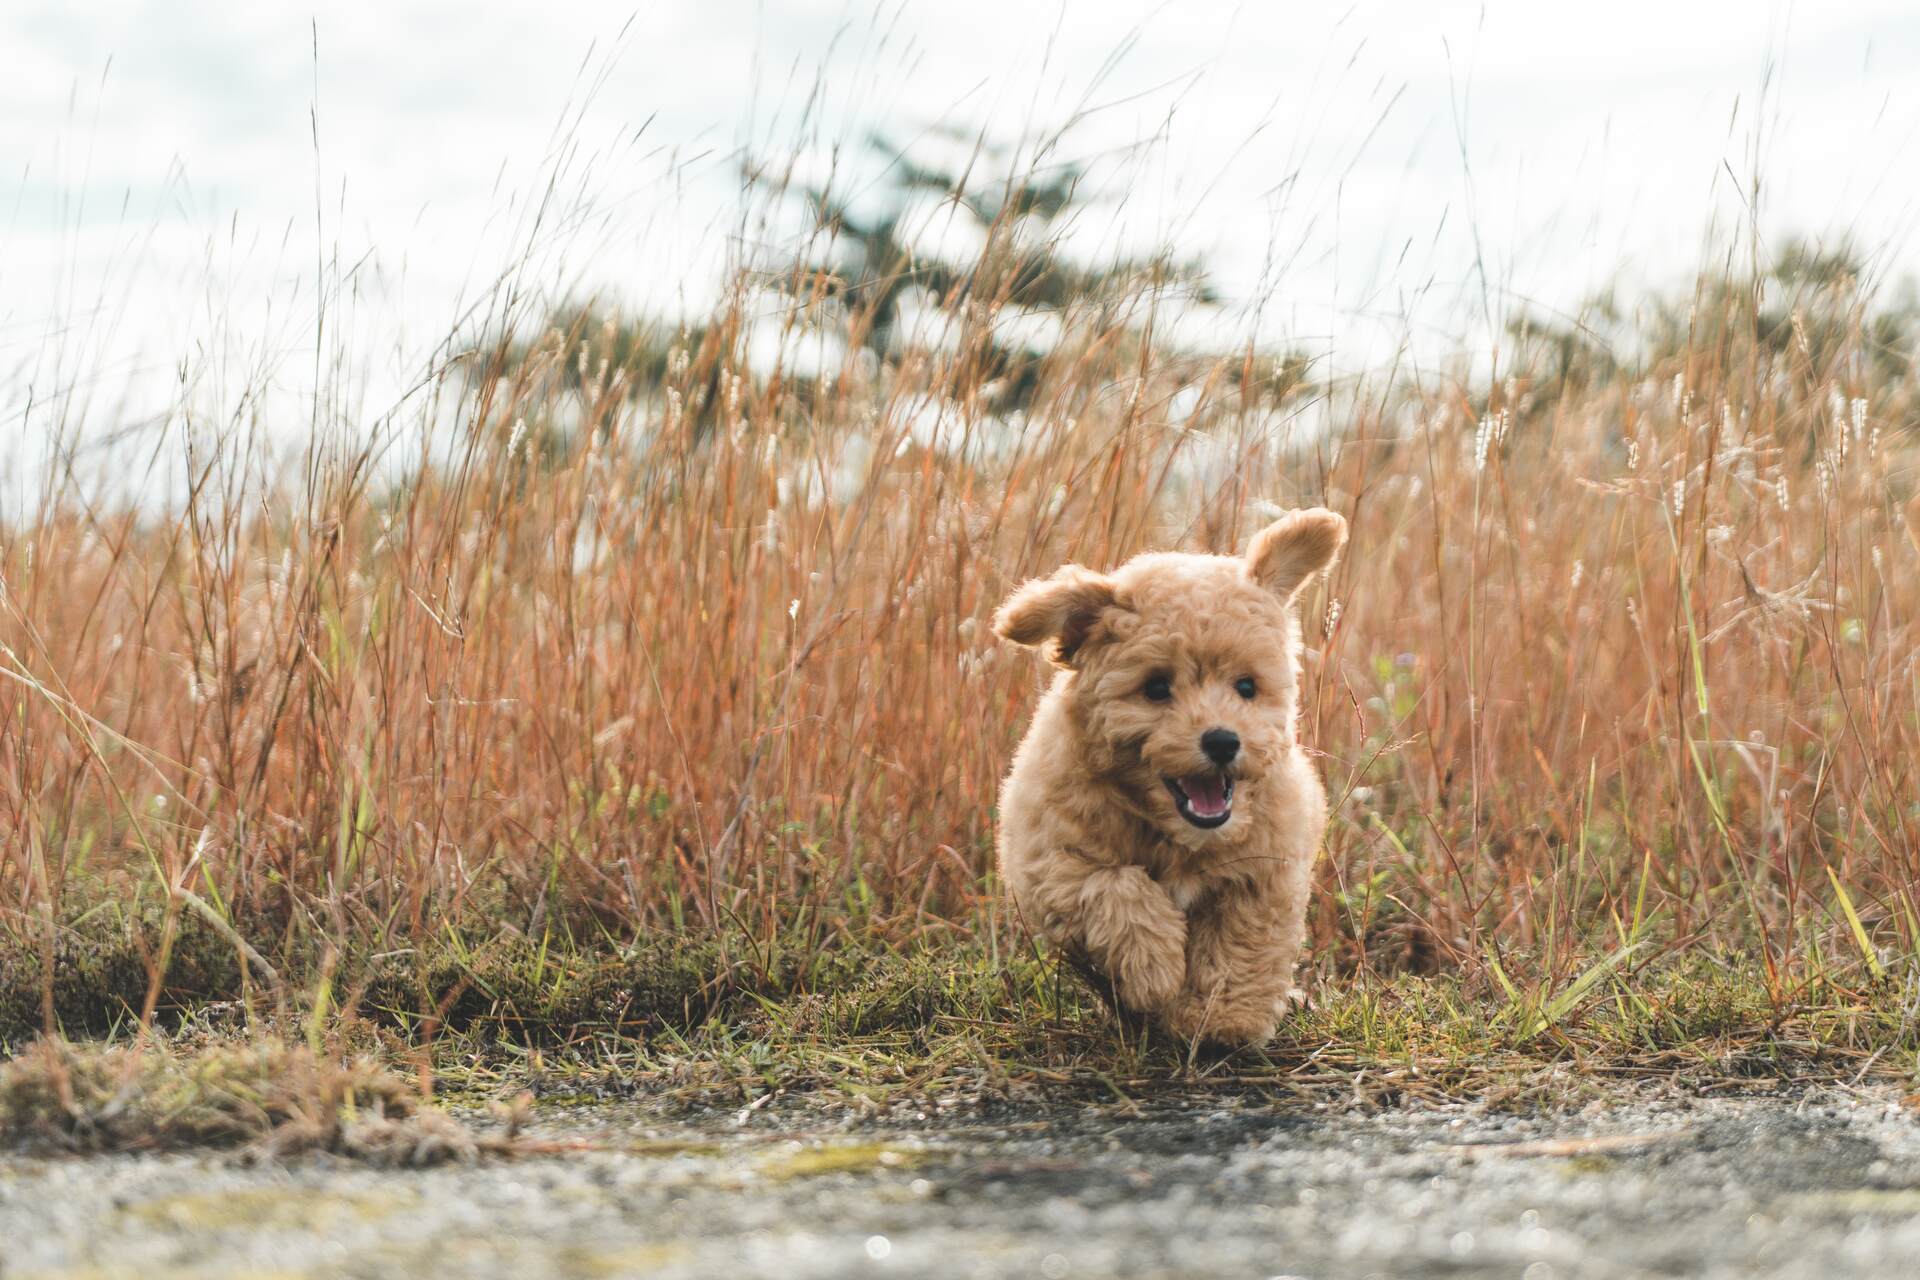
1160	816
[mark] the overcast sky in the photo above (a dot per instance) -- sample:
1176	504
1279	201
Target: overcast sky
163	195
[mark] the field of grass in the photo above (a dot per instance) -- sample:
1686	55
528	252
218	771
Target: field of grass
630	693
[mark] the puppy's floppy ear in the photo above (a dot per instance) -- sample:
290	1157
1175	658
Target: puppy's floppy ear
1286	554
1058	612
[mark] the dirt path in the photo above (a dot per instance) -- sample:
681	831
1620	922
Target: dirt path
1824	1186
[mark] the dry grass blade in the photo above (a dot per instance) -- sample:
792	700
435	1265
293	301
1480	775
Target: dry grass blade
616	630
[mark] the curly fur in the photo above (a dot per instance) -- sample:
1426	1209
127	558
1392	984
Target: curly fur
1198	928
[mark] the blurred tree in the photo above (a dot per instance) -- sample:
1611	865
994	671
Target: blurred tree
1812	311
867	259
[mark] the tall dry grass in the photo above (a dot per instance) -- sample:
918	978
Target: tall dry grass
657	635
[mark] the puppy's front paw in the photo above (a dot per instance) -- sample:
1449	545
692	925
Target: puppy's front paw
1221	1023
1147	972
1136	936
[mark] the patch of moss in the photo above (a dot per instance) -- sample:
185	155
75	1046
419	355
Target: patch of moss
529	995
1702	1000
628	1260
912	993
507	987
859	1157
100	975
271	1208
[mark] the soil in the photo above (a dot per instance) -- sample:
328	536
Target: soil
1822	1184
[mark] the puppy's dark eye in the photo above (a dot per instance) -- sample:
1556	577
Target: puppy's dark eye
1158	689
1245	687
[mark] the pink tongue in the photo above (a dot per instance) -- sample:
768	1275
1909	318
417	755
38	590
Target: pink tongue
1206	794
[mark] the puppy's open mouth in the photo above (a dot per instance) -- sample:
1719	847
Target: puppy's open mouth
1205	799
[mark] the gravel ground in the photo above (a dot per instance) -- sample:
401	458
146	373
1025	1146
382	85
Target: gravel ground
1822	1185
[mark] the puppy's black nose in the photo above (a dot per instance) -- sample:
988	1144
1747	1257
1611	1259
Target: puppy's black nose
1221	745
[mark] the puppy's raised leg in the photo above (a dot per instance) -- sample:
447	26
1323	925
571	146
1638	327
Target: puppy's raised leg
1240	958
1124	922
